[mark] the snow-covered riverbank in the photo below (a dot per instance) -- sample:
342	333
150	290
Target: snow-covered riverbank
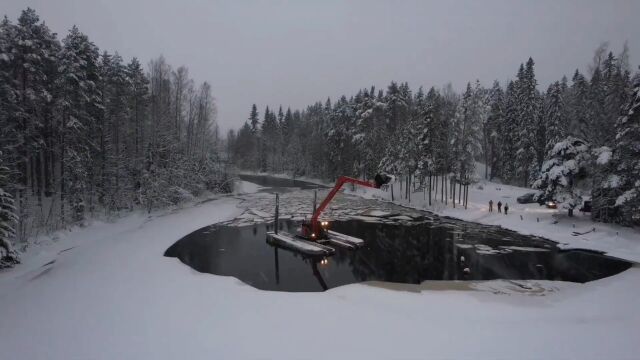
110	294
532	219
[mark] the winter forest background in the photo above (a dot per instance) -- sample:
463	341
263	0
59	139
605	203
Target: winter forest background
85	133
579	138
82	132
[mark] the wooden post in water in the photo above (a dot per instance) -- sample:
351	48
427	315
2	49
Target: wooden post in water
315	199
392	184
435	186
277	217
446	190
275	249
409	188
466	195
429	188
454	195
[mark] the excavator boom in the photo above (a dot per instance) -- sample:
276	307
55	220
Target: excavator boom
306	242
315	227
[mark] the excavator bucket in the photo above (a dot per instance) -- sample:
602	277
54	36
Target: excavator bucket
382	179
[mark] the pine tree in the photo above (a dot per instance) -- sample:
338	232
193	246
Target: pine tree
269	137
81	102
528	121
509	133
596	117
113	135
340	138
467	131
244	151
624	181
8	220
577	106
426	114
493	129
9	104
397	100
554	123
369	135
253	118
137	110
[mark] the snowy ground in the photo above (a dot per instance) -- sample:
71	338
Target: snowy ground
106	292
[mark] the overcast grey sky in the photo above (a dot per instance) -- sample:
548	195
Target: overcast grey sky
296	52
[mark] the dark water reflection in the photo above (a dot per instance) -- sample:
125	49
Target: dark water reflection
393	252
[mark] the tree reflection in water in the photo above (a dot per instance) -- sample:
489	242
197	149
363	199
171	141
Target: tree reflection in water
412	252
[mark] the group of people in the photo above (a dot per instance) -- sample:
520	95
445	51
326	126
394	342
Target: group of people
506	207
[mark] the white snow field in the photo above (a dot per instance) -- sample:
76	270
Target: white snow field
112	295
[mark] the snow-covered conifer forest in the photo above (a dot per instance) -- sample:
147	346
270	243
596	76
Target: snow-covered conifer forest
228	179
86	132
576	139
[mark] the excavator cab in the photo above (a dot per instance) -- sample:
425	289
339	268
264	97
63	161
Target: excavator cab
321	233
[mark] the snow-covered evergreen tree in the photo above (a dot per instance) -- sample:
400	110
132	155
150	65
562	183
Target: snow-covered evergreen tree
81	103
8	220
137	109
467	130
424	115
369	135
397	100
528	121
577	106
561	174
270	139
596	117
624	181
340	138
554	122
509	133
492	130
254	118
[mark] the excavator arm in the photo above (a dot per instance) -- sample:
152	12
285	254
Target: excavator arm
315	226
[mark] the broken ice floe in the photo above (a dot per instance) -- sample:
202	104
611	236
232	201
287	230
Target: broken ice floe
298	206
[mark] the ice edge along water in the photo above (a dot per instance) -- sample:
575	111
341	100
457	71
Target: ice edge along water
114	295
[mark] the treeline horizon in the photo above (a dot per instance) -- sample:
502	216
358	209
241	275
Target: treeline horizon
514	129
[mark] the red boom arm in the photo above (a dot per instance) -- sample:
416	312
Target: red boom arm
315	225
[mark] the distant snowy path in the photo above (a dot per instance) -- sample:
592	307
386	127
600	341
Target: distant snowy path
114	296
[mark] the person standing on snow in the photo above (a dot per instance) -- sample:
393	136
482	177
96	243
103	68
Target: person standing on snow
490	205
506	208
499	206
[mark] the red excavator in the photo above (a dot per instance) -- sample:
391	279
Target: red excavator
316	229
314	234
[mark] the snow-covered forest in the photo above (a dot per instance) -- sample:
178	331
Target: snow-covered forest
578	138
84	132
